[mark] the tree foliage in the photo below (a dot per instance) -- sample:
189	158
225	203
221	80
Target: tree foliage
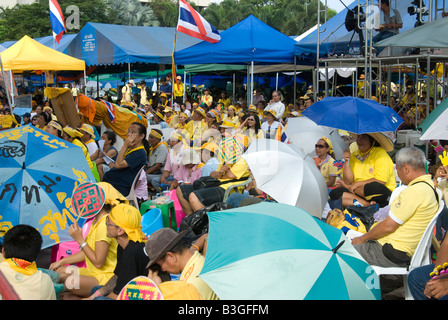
34	19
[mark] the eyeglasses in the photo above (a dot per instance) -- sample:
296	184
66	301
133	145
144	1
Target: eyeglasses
319	146
110	224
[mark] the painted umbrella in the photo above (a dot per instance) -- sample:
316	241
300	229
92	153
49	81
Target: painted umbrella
38	173
275	251
355	115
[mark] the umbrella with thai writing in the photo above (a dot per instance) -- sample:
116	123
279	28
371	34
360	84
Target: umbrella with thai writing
38	173
274	251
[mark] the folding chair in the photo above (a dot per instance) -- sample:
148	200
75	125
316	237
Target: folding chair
132	198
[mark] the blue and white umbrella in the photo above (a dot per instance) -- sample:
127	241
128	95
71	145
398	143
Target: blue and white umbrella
38	173
276	251
355	115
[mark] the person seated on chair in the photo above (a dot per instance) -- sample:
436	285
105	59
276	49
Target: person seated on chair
158	152
124	225
159	119
393	241
173	160
131	158
368	175
168	249
21	246
190	169
390	27
192	200
420	283
325	160
109	138
98	250
208	157
195	128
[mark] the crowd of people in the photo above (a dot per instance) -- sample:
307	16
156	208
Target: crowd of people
207	138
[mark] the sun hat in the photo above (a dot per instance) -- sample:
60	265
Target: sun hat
72	132
272	112
88	129
163	95
131	82
160	242
55	125
160	115
200	111
384	141
168	109
252	108
227	124
213	113
210	146
113	196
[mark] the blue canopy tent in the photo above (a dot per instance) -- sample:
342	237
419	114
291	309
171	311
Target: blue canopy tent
249	42
336	40
49	42
107	44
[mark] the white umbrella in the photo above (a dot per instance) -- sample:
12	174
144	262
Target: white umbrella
304	133
287	174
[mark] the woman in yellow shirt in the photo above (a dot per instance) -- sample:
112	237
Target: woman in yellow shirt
98	251
251	127
368	175
232	116
325	160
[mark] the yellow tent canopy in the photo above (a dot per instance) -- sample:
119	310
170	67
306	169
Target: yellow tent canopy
28	54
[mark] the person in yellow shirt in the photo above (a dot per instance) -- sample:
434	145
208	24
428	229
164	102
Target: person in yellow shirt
224	100
167	248
232	115
178	89
325	160
98	251
368	175
196	127
170	118
393	241
206	98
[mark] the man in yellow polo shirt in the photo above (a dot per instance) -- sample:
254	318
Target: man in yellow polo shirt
393	241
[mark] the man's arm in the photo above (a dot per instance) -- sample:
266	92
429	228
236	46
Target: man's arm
382	229
106	290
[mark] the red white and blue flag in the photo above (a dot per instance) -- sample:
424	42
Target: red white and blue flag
110	109
192	23
57	20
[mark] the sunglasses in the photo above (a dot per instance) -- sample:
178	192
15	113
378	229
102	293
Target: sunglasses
319	146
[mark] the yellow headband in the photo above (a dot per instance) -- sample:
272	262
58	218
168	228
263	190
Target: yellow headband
128	218
328	142
155	134
55	125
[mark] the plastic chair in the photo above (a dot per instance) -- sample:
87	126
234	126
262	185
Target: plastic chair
421	257
236	186
152	221
132	198
180	214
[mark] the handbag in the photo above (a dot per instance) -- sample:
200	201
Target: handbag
365	214
210	182
394	255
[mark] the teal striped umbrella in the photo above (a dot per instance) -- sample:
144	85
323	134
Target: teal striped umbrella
271	251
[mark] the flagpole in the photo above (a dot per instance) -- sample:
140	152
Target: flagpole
173	64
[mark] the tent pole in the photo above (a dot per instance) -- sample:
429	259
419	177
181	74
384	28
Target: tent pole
185	84
251	82
295	81
129	70
233	88
276	82
85	79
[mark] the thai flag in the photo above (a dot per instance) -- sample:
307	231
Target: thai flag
57	20
110	109
280	134
192	23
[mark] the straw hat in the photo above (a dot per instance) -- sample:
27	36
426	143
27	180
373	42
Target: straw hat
210	146
72	132
88	129
270	112
200	111
385	142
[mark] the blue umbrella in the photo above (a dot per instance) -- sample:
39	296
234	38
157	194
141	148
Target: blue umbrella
355	115
277	251
38	173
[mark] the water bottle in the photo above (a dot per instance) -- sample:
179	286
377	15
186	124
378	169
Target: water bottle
356	203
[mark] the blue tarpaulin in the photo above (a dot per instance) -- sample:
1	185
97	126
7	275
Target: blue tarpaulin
48	41
107	44
247	41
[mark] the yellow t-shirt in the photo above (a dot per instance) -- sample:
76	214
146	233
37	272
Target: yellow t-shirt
239	169
195	130
377	165
190	274
412	209
327	169
98	232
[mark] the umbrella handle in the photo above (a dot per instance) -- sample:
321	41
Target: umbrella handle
80	213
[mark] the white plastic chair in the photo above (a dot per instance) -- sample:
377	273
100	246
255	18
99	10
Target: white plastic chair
132	198
421	257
